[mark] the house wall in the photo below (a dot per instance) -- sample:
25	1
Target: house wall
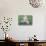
14	8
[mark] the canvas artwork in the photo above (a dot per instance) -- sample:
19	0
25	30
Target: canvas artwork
25	20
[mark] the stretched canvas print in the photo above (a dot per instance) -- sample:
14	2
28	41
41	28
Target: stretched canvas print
25	20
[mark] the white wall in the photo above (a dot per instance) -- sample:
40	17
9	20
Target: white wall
45	28
14	8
